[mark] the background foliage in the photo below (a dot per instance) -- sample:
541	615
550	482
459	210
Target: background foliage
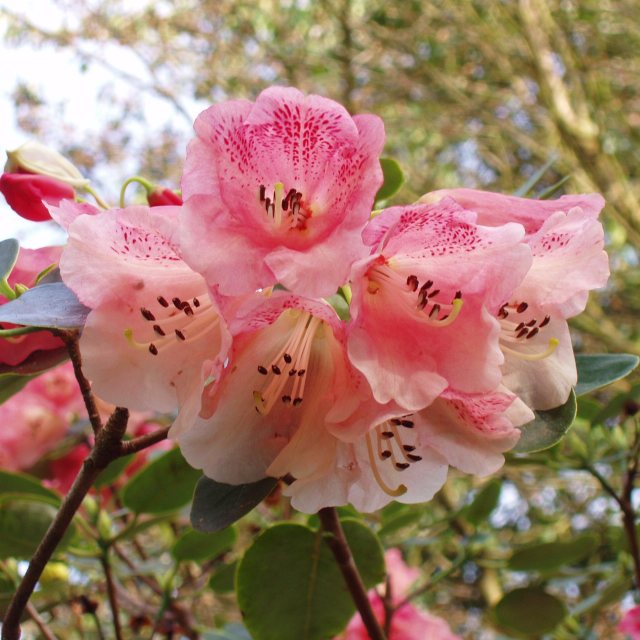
472	93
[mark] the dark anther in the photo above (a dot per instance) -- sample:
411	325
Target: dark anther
435	292
287	358
434	310
406	423
153	349
297	401
522	332
186	307
428	284
531	323
408	447
180	335
286	399
267	204
387	434
545	322
158	329
147	315
414	458
276	369
458	295
385	454
533	332
503	313
395	421
262	370
422	300
196	303
293	372
262	192
288	479
401	466
520	326
163	302
301	372
177	303
522	307
412	283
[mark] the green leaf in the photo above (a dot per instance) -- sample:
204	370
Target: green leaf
113	471
547	428
24	483
217	505
223	580
599	370
484	503
23	523
393	179
530	611
232	631
522	191
306	598
550	556
10	384
49	305
164	485
9	250
195	545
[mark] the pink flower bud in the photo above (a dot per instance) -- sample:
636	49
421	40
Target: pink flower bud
160	197
34	157
26	194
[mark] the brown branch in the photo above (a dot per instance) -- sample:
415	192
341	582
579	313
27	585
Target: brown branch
111	594
70	338
142	442
106	449
338	544
40	623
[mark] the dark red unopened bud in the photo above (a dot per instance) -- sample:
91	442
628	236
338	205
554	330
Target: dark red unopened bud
25	193
161	197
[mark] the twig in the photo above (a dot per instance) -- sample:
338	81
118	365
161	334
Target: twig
107	448
111	593
142	442
340	548
70	338
40	623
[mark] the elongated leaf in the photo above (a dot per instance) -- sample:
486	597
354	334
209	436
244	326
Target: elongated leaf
548	427
10	384
48	305
23	523
484	503
530	612
306	598
9	250
550	556
393	179
24	483
223	580
599	370
37	362
194	545
536	177
164	485
217	505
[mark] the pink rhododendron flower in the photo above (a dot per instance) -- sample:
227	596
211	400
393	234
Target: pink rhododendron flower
153	321
286	185
25	193
408	622
566	240
630	623
159	197
19	350
419	308
286	397
36	419
406	457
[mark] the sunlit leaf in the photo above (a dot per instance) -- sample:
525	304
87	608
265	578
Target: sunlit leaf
393	179
548	427
600	369
195	545
217	505
11	482
49	305
306	598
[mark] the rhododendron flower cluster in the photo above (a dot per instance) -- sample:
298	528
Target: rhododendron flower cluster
224	308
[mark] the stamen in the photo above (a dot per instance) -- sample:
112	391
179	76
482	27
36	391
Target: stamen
162	302
180	335
147	315
522	307
153	349
394	493
553	343
262	370
158	329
